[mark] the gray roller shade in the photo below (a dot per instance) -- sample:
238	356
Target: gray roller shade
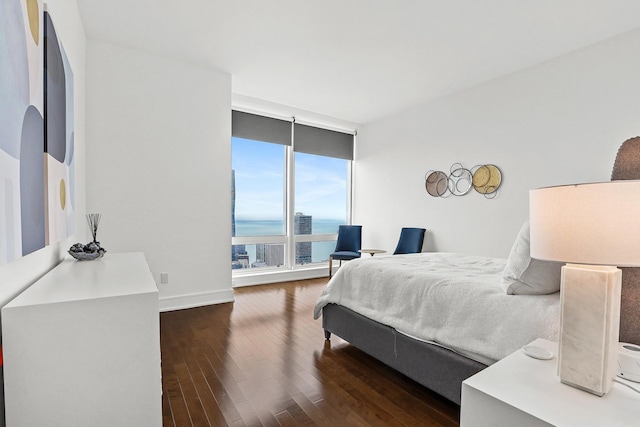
323	142
260	128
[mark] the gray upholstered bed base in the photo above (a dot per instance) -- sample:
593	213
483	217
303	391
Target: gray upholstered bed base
434	367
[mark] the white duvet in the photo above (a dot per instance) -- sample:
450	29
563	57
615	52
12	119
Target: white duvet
449	299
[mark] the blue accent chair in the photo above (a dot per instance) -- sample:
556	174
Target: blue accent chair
411	240
348	245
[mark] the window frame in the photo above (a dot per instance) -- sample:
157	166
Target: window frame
290	238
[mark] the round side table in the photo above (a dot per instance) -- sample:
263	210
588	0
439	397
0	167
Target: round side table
372	252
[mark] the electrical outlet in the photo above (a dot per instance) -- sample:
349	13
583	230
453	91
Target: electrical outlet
164	277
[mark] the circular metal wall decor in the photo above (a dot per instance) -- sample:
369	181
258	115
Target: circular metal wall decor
485	179
436	183
460	180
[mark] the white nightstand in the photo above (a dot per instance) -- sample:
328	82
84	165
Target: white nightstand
522	391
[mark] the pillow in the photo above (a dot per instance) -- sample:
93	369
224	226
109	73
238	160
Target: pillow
524	275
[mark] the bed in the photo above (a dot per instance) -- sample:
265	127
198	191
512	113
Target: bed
439	318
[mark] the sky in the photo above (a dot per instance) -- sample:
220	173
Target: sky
321	182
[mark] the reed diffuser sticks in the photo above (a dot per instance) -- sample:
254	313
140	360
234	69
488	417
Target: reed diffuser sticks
93	219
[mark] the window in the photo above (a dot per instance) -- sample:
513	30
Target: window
321	203
258	177
290	191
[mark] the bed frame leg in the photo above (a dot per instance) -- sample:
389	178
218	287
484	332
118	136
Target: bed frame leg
327	335
330	266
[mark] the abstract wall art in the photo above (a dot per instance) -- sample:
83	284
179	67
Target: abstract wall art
485	179
59	138
22	227
36	132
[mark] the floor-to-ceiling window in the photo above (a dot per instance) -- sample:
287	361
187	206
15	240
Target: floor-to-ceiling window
291	188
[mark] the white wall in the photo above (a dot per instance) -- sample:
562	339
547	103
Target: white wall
159	168
18	275
556	123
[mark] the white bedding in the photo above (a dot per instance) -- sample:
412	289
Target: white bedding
450	299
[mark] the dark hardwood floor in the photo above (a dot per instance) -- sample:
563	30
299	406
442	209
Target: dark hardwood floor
263	360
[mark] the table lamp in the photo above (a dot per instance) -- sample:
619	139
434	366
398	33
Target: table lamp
594	228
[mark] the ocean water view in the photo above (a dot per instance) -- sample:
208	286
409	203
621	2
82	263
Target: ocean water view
319	250
276	227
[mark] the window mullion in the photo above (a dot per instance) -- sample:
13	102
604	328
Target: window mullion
290	202
350	172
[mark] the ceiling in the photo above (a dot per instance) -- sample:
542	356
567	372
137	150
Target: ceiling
358	60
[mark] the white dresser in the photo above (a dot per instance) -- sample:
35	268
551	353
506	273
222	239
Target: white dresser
82	346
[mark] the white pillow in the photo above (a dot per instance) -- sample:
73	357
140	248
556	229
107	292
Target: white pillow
524	275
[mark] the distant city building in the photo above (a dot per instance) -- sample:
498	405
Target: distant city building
259	264
303	224
233	202
236	250
241	262
271	255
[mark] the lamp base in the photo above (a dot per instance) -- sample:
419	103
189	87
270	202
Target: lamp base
589	326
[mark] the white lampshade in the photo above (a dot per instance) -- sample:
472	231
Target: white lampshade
596	223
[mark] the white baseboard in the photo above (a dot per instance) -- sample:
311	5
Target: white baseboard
180	302
195	300
264	278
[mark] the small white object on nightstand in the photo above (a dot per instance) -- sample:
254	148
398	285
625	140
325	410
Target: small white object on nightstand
537	352
629	361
